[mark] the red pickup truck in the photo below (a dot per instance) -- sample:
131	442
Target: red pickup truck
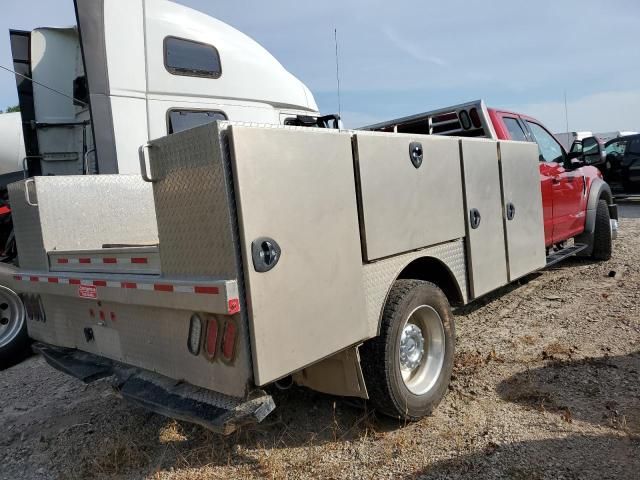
577	202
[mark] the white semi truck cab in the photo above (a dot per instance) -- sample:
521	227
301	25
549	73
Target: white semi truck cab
136	70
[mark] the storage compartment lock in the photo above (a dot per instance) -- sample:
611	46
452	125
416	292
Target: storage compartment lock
416	153
474	218
266	253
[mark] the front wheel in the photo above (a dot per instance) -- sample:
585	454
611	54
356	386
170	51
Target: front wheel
602	235
407	368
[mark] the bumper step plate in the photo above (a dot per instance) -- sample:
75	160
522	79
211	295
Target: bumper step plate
214	411
565	253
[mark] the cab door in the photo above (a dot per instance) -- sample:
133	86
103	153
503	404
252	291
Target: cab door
567	186
519	132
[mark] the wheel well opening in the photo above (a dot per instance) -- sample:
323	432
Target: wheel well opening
435	271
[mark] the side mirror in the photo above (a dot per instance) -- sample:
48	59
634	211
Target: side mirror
592	151
574	160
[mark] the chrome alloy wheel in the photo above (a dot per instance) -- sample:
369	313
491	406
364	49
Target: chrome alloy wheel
422	350
11	316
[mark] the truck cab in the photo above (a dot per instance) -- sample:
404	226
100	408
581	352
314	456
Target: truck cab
570	188
564	183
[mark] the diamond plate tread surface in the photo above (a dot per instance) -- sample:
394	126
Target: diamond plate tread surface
193	204
379	276
26	224
81	212
173	398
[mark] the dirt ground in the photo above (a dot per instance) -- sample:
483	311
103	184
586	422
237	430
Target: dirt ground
546	385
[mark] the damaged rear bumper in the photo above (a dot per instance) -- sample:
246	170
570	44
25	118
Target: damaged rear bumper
175	399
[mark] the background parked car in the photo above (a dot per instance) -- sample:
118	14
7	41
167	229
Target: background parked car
622	162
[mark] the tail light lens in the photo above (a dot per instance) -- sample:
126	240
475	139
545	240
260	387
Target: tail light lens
211	342
229	340
195	334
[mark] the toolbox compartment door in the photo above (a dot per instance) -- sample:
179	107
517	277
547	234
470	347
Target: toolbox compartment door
295	189
483	204
405	206
522	200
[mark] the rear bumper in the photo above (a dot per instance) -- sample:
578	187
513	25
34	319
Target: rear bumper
175	399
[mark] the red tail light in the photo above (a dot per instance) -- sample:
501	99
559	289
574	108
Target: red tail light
229	340
211	342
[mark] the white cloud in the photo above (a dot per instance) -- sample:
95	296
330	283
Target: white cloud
417	52
599	112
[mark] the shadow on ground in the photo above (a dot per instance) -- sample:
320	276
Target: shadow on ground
603	391
4	364
573	457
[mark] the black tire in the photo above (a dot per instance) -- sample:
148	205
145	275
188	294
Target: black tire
16	351
380	358
602	243
14	340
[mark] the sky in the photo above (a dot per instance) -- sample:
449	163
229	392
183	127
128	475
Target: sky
408	56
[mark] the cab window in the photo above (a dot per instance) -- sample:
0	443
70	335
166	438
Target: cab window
634	146
180	120
550	149
515	129
189	58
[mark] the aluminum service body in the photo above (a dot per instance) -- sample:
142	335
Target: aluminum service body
218	188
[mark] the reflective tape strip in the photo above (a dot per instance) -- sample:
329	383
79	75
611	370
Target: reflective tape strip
152	287
104	260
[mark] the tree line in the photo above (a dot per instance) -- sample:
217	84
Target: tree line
11	109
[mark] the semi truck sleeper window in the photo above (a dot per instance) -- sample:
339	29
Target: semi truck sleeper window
180	120
194	59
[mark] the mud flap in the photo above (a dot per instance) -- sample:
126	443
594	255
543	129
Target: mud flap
214	411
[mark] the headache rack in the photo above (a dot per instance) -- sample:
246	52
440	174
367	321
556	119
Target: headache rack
469	119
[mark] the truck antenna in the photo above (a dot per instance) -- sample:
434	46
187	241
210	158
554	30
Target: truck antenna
566	112
335	37
44	86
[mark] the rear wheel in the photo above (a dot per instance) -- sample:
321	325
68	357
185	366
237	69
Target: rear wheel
602	235
407	368
13	327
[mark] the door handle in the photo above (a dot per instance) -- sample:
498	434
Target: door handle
555	179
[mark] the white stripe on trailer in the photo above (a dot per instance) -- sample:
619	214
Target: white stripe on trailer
183	288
